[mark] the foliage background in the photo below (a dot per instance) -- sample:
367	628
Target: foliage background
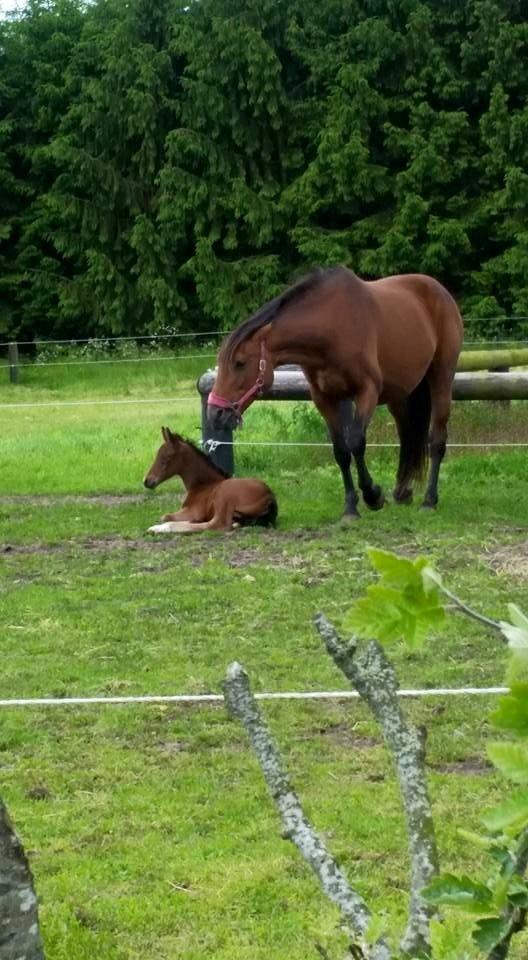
169	166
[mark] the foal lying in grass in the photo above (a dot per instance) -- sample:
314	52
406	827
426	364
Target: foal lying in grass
214	501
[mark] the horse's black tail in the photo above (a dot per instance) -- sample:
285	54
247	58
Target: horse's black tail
266	519
414	435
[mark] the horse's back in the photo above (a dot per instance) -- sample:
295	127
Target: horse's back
417	323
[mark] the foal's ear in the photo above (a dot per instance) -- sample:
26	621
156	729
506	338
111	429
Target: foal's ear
164	433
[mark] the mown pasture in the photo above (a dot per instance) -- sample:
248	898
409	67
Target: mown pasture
149	829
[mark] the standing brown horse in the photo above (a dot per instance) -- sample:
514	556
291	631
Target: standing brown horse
392	341
214	501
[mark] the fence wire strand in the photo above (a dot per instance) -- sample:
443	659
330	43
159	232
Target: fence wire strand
75	363
205	698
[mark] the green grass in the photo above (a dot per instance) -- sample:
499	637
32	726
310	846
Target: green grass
149	829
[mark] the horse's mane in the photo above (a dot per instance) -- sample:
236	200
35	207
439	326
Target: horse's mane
272	308
202	455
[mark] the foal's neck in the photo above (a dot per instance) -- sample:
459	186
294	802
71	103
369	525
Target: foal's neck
195	471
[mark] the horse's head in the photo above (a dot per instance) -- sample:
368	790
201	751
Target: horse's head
244	371
167	462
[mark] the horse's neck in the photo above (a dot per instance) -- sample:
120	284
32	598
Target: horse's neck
195	471
289	342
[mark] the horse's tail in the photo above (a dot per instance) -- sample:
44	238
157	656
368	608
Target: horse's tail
414	435
269	518
266	519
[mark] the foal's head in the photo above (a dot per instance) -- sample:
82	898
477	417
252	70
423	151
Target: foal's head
168	461
182	458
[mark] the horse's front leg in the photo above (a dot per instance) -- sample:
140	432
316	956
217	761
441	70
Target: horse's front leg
354	422
341	437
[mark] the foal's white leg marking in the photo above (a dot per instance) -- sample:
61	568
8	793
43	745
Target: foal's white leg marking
172	526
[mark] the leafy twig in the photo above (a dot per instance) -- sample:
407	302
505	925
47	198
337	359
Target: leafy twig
516	915
469	612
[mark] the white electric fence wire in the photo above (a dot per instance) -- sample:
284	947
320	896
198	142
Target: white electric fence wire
218	698
75	363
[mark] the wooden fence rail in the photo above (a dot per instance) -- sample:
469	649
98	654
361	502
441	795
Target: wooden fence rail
289	383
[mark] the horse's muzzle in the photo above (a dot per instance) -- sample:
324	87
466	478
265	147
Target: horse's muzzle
149	483
222	418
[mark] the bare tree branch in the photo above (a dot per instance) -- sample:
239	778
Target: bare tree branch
372	674
354	910
19	926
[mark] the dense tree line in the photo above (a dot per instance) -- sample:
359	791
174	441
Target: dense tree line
167	165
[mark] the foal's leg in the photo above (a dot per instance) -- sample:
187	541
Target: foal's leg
183	514
440	387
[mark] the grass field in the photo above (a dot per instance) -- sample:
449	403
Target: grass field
149	829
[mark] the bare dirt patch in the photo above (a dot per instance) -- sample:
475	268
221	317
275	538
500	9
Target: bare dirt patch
470	767
109	542
104	499
341	735
512	560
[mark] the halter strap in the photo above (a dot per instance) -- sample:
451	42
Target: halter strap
239	406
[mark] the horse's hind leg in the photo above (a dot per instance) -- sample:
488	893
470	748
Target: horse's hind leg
402	492
440	387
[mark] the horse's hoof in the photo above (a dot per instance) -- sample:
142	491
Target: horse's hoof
405	498
348	519
427	507
376	498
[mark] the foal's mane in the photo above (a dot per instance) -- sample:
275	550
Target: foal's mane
272	308
202	455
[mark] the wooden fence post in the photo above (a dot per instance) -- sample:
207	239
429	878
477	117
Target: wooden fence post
503	403
12	359
222	455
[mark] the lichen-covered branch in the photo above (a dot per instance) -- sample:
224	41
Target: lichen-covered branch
242	705
372	674
19	927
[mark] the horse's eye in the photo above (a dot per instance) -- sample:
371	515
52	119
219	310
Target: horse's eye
239	364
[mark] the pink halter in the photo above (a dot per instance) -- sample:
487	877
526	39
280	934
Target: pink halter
238	406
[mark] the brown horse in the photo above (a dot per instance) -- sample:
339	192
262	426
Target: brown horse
392	341
214	501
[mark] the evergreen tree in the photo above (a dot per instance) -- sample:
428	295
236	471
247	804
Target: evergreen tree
166	164
109	150
35	51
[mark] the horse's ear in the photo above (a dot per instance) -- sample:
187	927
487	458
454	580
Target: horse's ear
171	437
164	433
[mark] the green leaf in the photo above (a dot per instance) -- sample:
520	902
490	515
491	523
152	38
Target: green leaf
516	632
512	712
399	607
518	617
511	759
510	817
399	571
460	892
489	932
476	838
431	579
451	938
